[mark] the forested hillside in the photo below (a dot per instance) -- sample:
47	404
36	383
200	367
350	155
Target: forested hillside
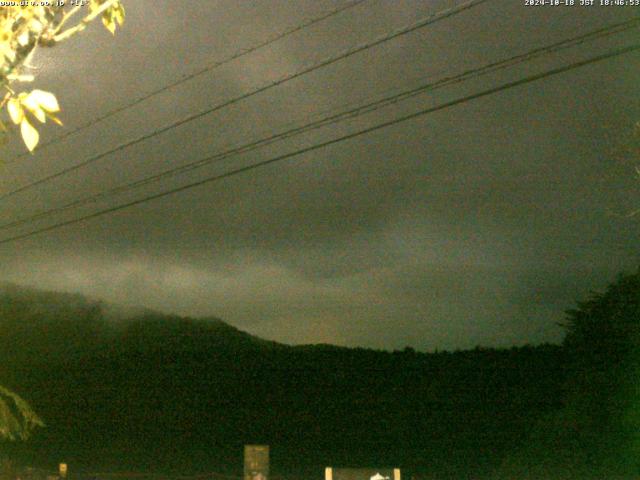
139	390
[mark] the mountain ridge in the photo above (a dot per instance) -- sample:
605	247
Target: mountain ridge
167	393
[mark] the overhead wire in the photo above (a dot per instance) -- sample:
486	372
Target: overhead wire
332	119
206	69
424	22
318	146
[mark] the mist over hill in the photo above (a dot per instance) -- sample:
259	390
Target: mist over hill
132	389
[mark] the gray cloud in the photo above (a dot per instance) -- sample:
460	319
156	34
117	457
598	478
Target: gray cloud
476	225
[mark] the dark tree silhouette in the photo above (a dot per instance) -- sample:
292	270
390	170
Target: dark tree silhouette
596	435
603	342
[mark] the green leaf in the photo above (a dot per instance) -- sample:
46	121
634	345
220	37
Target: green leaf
46	100
15	110
108	22
54	118
31	102
30	135
119	14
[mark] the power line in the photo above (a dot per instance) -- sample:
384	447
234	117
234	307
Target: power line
327	143
433	18
352	113
208	68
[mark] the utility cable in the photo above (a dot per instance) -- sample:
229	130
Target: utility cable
332	119
318	146
206	69
433	18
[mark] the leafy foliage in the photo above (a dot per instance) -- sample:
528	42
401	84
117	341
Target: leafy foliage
596	434
22	30
25	28
606	328
17	420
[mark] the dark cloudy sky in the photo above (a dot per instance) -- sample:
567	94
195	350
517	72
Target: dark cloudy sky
478	224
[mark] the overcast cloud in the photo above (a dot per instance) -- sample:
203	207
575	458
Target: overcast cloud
478	224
